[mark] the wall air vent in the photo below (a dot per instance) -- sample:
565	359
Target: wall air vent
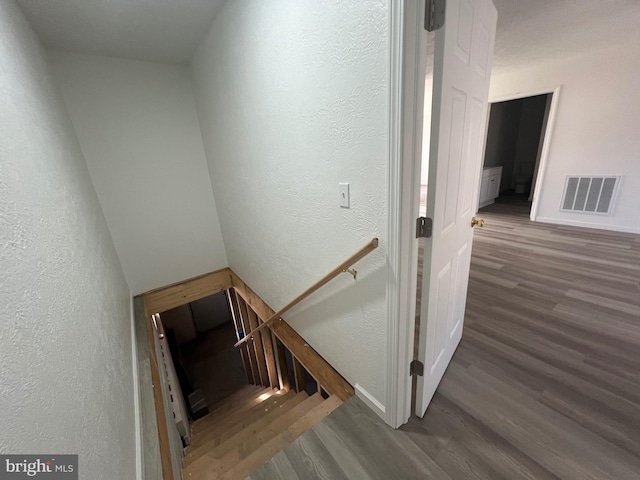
590	194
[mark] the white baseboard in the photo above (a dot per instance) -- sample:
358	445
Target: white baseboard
598	226
370	401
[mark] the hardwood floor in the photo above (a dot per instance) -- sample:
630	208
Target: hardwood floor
545	383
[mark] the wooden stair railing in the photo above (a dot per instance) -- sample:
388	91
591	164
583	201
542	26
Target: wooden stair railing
343	267
285	341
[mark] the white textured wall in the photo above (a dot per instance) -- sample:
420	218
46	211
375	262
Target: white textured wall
292	98
138	128
66	382
595	130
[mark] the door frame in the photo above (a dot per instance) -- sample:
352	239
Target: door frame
548	133
408	54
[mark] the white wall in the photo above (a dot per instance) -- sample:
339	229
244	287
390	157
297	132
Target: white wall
66	381
138	128
595	131
293	99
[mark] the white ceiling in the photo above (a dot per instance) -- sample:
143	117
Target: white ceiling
535	31
529	31
154	30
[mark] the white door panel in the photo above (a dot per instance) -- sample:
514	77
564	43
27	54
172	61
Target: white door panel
462	66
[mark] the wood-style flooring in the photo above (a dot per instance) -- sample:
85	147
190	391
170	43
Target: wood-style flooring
544	385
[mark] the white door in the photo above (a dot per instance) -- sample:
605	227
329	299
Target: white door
462	69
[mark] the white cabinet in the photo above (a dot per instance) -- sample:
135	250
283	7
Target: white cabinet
489	186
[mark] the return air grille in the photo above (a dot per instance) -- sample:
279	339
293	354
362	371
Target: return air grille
589	194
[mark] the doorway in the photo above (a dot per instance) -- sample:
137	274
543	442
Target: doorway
532	116
513	149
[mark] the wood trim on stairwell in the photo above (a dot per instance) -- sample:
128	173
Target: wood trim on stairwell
321	370
161	419
178	294
252	298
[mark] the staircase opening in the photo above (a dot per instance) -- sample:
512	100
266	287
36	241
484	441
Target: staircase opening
283	400
288	386
201	335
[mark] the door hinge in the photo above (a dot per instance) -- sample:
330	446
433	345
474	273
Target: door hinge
424	227
416	368
434	14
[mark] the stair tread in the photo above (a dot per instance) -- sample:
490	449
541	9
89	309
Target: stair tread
241	409
228	403
207	441
268	417
236	436
231	408
256	434
230	400
244	415
228	455
273	446
245	391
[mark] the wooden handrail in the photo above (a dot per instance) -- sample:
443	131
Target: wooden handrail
368	248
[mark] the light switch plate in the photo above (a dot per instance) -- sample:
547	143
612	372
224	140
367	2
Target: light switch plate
345	200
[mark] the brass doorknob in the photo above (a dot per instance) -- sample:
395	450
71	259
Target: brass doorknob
477	221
